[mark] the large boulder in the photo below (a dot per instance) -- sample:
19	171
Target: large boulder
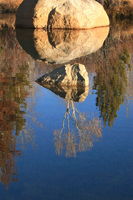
67	75
61	46
70	82
68	14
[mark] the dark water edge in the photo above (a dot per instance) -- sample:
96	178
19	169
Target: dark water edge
47	152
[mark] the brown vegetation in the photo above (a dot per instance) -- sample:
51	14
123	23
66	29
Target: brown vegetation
13	83
17	68
118	8
7	6
7	20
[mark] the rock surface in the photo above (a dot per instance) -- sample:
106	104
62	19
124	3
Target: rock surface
70	14
70	82
61	46
68	75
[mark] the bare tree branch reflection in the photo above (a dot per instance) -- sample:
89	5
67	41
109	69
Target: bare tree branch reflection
77	133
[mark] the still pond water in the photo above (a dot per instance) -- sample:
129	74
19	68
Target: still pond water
58	149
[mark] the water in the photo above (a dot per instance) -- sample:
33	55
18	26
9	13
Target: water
55	148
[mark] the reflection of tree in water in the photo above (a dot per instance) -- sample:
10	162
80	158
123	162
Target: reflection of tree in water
77	132
16	69
111	86
71	82
13	91
7	153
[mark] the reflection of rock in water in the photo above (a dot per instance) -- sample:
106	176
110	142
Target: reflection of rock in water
73	93
70	82
61	46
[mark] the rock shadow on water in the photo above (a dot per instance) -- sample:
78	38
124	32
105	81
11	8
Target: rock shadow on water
61	46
